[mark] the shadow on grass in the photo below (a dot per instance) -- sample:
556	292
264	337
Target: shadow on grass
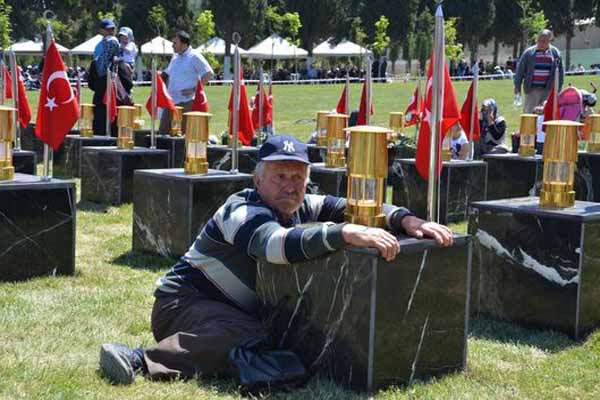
149	262
483	327
84	205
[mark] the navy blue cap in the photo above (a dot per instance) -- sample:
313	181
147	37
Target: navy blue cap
283	148
106	23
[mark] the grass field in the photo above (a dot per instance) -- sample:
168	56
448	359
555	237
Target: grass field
51	328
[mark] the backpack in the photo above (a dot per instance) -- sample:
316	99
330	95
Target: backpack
570	104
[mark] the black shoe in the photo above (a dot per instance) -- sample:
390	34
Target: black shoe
117	363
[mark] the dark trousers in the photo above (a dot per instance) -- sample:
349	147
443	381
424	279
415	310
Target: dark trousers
99	123
194	336
164	127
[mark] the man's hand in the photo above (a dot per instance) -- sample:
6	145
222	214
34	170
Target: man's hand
418	228
362	236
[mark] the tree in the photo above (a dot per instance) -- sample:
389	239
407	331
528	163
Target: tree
454	50
424	38
5	28
287	24
358	34
157	19
382	39
204	27
475	20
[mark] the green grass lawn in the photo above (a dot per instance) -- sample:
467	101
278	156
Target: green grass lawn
51	328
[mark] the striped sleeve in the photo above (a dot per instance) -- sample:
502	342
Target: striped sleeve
325	208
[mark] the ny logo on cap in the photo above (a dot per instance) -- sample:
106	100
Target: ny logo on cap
288	147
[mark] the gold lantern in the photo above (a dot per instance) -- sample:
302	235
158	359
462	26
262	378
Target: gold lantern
196	140
321	139
7	135
125	124
446	150
86	120
528	132
560	158
396	125
593	123
336	140
367	173
176	121
138	122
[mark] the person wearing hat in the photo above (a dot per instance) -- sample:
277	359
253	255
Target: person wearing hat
127	50
206	305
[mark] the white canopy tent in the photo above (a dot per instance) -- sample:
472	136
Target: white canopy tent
345	48
158	46
31	48
216	46
276	47
86	48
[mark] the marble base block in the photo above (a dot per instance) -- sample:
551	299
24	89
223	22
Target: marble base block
72	150
461	183
37	228
24	161
30	142
397	152
219	157
316	154
176	147
107	172
587	177
141	137
365	323
539	267
170	208
332	181
510	175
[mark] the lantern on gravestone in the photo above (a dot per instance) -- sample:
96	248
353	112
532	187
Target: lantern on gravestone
396	125
138	122
527	134
321	139
196	141
125	118
86	120
560	158
336	140
367	173
446	150
7	135
177	121
593	123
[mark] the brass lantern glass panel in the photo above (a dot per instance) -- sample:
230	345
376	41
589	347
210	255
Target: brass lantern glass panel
396	125
527	134
321	139
196	142
138	122
593	123
125	124
177	121
7	135
336	140
446	150
86	119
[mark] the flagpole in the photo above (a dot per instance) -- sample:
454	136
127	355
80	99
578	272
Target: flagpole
437	112
48	152
556	109
236	104
272	129
260	105
108	100
15	95
419	114
368	91
473	110
153	107
2	81
347	90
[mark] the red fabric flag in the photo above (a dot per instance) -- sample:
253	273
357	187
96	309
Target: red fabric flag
450	116
245	126
111	108
467	116
362	109
267	110
414	111
341	105
550	112
7	84
200	102
270	101
57	108
23	103
163	99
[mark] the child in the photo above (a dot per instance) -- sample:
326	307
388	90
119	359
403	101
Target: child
459	144
128	51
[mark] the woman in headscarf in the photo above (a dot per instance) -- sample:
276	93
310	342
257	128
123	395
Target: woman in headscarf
493	129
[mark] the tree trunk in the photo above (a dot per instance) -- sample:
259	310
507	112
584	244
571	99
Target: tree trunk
569	38
473	47
515	54
496	50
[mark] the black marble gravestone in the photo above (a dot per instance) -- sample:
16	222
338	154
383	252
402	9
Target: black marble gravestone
219	157
332	181
510	175
539	267
30	142
365	323
37	228
24	161
170	208
107	172
395	153
461	183
141	137
587	177
174	144
72	146
316	154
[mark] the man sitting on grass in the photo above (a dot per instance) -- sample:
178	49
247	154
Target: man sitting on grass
206	305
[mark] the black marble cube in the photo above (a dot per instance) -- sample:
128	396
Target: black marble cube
395	153
365	323
141	137
587	177
107	172
461	182
170	208
176	147
30	142
37	228
316	154
510	175
219	157
539	267
71	161
24	161
332	181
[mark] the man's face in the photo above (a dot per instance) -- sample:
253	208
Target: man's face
178	46
543	42
282	185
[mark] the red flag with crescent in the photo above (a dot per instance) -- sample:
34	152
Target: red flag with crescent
362	109
267	110
341	105
111	108
163	99
23	103
414	111
245	126
58	110
200	102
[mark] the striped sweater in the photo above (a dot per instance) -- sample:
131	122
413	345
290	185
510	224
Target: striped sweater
222	260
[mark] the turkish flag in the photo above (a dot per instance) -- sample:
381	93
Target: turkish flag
550	110
270	101
24	110
341	105
245	126
163	99
414	111
57	108
450	116
267	110
467	112
362	109
112	107
200	102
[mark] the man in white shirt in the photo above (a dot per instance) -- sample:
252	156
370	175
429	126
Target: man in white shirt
183	72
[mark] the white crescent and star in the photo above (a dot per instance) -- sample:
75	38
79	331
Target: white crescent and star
51	104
